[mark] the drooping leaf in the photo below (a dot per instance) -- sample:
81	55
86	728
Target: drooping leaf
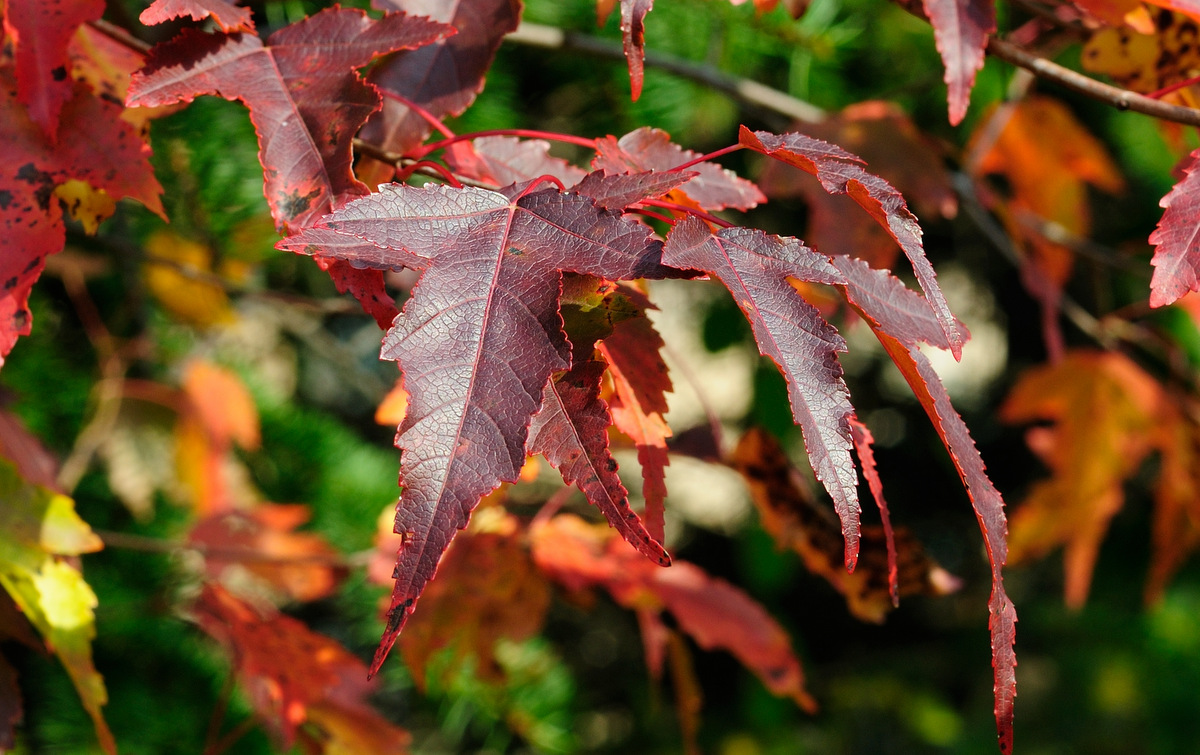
299	566
295	676
841	173
713	612
95	146
504	160
477	341
633	36
227	16
37	527
900	319
789	513
961	29
443	78
40	33
1177	240
755	267
715	188
487	589
863	446
571	430
897	152
305	98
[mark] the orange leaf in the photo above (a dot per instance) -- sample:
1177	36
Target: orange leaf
222	404
712	611
291	674
1104	411
300	565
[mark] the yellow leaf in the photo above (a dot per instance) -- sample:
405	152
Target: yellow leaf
36	526
179	274
1145	63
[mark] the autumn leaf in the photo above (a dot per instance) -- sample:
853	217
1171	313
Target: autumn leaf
227	16
305	98
487	589
262	541
901	320
711	611
1049	159
621	190
40	33
443	78
504	160
961	29
1104	411
218	413
890	143
1151	58
646	149
37	528
1176	242
96	147
794	520
296	678
841	173
756	268
633	36
478	340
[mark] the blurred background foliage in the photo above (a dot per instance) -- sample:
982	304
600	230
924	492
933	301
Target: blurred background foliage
1114	677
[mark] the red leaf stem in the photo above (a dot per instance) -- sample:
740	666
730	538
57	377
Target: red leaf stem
578	141
709	156
429	117
701	214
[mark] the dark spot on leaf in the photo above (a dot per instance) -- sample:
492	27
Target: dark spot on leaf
296	204
10	283
5	199
59	74
611	465
33	263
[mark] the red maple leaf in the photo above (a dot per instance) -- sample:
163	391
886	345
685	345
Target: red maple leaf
755	267
715	188
40	33
227	16
961	29
900	319
95	146
842	173
1177	240
306	101
478	340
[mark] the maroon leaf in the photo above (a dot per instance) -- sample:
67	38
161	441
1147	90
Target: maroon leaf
961	29
863	441
505	160
40	32
364	285
755	267
227	16
477	341
619	191
1177	240
305	99
571	431
633	35
839	173
651	149
897	324
444	77
96	147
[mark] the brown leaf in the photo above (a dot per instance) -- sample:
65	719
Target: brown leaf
792	517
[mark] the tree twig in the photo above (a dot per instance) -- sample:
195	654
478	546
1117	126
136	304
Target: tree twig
1121	99
752	93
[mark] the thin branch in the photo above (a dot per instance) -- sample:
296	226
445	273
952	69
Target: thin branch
1121	99
758	96
127	541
